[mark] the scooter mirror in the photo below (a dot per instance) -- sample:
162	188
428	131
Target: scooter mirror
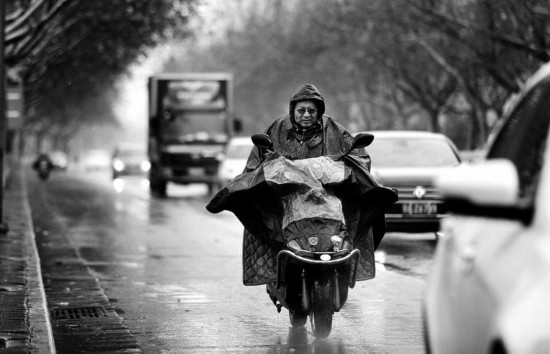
362	140
262	141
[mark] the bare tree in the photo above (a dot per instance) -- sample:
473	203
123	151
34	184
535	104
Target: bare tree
413	64
69	54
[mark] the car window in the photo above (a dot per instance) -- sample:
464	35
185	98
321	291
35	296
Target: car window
238	151
98	154
411	152
522	138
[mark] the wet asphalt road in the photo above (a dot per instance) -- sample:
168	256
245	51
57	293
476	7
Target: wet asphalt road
172	273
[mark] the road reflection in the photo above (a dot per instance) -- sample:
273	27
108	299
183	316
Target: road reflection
171	268
298	343
119	184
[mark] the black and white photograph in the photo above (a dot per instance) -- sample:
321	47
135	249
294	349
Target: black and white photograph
275	176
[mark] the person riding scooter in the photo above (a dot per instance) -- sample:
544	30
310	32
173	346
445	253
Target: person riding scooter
305	132
43	165
312	213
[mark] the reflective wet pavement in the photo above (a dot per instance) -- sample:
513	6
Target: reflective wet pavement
166	276
24	323
81	315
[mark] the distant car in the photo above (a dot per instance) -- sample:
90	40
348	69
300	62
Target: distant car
95	160
59	160
408	161
489	286
130	161
235	157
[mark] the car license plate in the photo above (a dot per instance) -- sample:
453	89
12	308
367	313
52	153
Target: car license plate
419	208
195	171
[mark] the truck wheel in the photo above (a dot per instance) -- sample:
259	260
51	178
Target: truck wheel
158	187
161	189
321	307
157	184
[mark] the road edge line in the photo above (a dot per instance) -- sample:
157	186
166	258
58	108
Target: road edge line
36	257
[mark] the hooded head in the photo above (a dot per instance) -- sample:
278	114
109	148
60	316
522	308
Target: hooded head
308	92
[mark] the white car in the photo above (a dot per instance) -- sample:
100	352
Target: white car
235	157
130	160
408	161
489	288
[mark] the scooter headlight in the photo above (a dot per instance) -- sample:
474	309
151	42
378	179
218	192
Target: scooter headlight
336	242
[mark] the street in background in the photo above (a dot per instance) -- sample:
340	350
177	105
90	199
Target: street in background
169	269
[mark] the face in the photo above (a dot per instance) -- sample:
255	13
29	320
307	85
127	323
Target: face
305	113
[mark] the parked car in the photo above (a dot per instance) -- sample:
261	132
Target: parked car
408	161
489	286
235	157
130	160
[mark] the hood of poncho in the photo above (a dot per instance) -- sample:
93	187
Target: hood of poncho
308	92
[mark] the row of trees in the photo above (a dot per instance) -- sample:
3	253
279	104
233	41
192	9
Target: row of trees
444	65
416	64
68	54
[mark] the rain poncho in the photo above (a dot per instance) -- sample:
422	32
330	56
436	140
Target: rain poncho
259	196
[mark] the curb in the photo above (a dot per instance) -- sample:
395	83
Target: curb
24	319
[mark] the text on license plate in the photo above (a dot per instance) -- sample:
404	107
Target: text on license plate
195	171
419	208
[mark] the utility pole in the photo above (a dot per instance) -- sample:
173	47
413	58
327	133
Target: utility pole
3	120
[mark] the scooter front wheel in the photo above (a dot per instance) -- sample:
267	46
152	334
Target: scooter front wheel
322	308
297	319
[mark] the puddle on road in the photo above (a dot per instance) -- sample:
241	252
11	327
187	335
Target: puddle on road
173	291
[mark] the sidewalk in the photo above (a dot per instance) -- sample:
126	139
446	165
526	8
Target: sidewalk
24	319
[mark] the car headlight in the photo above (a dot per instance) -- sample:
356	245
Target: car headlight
145	166
118	165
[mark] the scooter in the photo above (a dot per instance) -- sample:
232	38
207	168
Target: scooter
313	278
43	167
319	262
321	220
